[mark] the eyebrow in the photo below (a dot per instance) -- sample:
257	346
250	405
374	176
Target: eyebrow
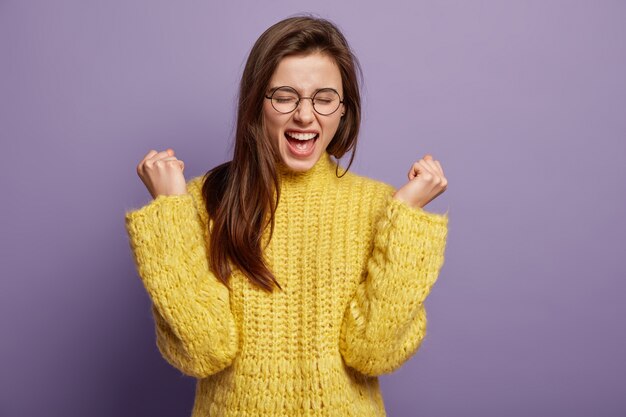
314	91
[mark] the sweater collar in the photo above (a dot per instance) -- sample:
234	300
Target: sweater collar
324	168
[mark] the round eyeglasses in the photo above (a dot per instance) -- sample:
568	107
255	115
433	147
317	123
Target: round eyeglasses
286	99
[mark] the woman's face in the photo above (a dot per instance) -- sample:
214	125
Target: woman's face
306	74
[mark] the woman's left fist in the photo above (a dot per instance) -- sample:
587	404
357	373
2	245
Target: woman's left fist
426	181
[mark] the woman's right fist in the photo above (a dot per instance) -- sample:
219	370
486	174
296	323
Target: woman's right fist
162	173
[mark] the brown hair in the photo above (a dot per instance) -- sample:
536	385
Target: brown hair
239	194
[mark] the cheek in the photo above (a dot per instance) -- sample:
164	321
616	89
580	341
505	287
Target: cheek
333	126
272	121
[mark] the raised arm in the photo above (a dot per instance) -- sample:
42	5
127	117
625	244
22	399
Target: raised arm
385	321
195	328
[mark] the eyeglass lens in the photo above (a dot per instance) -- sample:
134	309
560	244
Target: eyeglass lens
325	101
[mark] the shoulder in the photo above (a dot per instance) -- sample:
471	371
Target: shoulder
194	188
369	187
367	195
194	185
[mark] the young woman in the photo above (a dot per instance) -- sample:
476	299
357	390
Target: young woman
282	285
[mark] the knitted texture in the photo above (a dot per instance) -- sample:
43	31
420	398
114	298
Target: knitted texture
355	265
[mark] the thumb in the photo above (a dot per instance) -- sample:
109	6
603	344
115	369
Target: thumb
414	171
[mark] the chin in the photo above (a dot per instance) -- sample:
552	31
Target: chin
300	165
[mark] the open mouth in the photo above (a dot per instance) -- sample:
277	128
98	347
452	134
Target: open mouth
301	144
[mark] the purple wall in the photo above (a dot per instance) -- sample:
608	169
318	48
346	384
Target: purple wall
524	104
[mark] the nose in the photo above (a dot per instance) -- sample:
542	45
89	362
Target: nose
304	112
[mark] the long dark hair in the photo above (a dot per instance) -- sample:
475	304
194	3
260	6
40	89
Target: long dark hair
242	195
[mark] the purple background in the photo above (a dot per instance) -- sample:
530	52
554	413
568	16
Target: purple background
524	104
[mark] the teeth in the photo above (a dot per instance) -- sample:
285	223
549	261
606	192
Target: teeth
301	136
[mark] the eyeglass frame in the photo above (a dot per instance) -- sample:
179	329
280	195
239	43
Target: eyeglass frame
275	89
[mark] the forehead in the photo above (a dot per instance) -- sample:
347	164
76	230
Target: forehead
307	73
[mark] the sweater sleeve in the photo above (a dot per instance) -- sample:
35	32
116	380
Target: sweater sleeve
195	328
385	321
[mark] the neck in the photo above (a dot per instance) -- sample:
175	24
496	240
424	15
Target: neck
323	168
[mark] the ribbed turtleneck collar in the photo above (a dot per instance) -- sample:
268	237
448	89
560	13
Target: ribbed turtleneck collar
323	168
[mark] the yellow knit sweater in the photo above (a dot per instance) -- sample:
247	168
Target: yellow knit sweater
355	265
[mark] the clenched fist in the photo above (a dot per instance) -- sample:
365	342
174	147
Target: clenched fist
426	181
162	173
